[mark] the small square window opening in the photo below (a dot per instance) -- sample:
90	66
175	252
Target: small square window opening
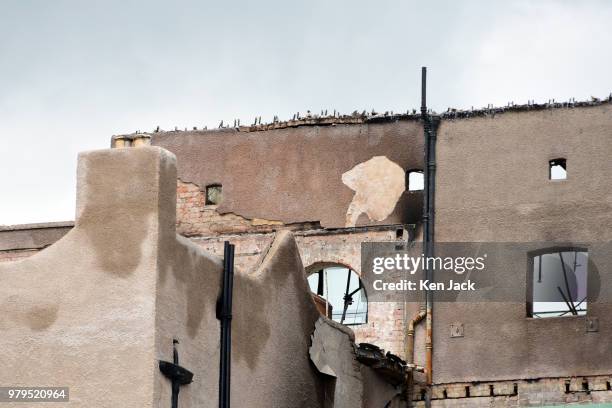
416	180
557	169
214	194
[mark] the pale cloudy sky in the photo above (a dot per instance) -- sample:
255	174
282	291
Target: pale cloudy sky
73	73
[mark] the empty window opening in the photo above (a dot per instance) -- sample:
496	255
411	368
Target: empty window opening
339	294
415	180
558	283
585	385
399	233
214	194
557	169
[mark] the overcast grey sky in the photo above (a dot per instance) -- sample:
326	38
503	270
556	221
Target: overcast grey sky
73	73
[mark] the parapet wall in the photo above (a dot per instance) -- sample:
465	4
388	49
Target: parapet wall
80	314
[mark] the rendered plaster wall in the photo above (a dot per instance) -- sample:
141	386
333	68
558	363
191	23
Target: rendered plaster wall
492	185
80	314
7	256
273	318
188	285
300	175
99	308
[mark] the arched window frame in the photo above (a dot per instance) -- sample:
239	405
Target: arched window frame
320	268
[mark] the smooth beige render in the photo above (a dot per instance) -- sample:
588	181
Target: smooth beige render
97	310
82	313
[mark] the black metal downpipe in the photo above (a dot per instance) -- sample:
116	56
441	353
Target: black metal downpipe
430	125
224	313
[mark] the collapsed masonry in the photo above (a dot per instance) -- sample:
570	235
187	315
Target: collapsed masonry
335	182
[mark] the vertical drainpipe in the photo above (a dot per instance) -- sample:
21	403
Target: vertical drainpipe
224	313
430	125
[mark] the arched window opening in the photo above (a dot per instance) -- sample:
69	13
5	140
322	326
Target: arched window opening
339	294
415	180
557	284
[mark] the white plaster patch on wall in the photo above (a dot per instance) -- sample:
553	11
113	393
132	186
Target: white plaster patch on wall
378	184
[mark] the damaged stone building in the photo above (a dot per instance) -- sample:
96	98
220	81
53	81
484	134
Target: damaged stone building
96	303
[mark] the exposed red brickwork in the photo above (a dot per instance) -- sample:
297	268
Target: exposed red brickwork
194	217
385	327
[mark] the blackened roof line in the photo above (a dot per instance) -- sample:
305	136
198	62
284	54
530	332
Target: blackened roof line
372	117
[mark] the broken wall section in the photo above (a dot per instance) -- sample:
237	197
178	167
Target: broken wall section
294	176
352	384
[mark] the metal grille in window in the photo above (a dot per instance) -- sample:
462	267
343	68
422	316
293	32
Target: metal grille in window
343	293
558	283
214	194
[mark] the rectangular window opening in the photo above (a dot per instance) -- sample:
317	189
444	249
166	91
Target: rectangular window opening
558	283
557	169
415	180
214	194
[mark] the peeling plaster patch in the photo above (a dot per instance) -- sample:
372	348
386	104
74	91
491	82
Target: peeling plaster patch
378	184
